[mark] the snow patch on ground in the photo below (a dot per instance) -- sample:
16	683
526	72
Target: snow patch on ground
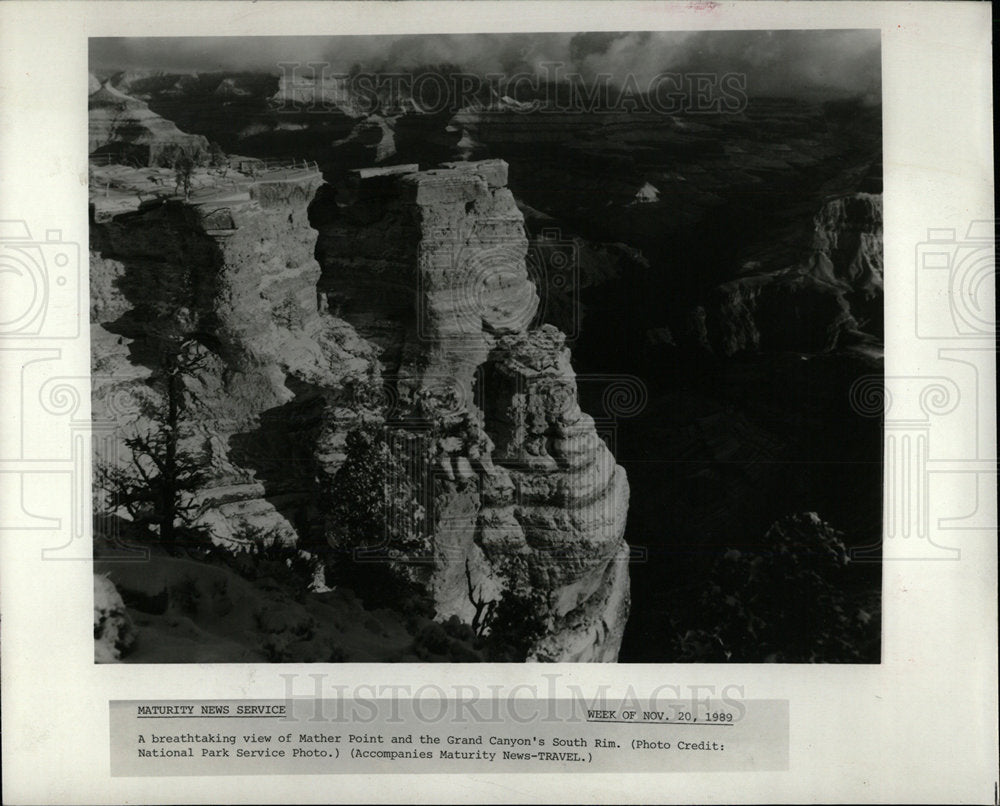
114	632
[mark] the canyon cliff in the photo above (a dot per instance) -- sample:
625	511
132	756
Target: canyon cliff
124	128
519	474
419	321
831	296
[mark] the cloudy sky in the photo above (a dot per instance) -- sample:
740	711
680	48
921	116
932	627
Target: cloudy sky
825	63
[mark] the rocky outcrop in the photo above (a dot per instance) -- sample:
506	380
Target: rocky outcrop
778	313
848	242
248	113
371	141
422	294
236	275
557	500
523	489
127	130
305	91
849	249
833	296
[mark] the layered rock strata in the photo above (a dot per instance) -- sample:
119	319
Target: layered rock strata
421	293
828	297
558	498
234	274
519	474
125	128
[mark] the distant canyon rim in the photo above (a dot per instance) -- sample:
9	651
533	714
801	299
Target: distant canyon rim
614	347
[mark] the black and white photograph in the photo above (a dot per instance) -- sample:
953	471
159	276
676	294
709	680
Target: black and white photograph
497	402
556	347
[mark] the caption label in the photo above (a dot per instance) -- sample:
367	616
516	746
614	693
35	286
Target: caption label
274	737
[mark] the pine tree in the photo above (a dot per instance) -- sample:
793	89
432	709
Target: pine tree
157	485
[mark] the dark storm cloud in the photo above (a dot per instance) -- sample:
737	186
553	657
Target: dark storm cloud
478	52
807	63
830	63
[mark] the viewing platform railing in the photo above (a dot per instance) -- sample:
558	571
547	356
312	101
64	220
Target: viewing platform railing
258	167
243	166
247	174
